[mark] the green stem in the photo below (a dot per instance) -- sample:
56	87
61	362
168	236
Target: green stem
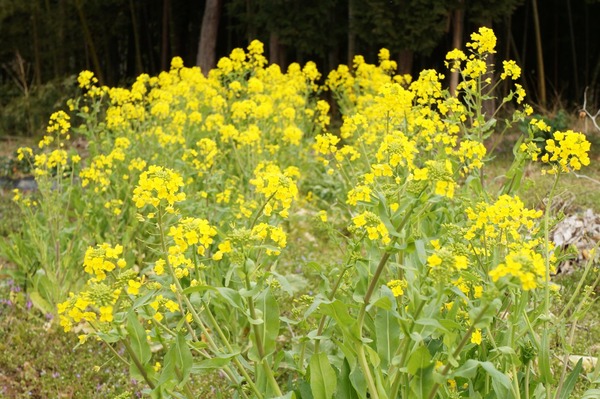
458	349
526	381
364	364
211	344
138	364
396	378
260	345
338	282
565	361
260	210
367	298
547	245
546	314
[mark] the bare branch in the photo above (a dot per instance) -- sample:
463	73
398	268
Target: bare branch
588	113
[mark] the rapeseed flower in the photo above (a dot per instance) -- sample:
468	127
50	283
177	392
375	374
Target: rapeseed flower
483	41
397	287
372	226
527	266
566	151
101	259
157	184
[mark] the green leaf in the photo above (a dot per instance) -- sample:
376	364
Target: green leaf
591	394
323	381
387	330
429	322
544	358
500	382
358	381
232	297
289	395
339	312
422	383
137	339
421	252
268	328
345	390
139	345
40	303
214	363
198	288
183	358
571	380
382	302
419	359
467	370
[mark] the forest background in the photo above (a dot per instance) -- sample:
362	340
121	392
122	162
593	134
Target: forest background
44	44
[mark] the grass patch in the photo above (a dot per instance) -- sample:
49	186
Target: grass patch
38	360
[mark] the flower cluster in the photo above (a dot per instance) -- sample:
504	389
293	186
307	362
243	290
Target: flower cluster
566	151
483	41
193	231
527	266
157	184
279	188
370	224
102	259
506	221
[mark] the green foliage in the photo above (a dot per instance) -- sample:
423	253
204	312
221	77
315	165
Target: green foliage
26	113
429	284
402	25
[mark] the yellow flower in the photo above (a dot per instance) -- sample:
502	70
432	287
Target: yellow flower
566	151
445	188
484	41
323	216
86	79
106	313
397	287
156	184
133	287
476	337
434	260
511	69
159	267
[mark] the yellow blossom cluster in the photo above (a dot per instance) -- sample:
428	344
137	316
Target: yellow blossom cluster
193	231
157	184
526	265
370	224
566	151
483	41
505	221
278	188
397	287
102	259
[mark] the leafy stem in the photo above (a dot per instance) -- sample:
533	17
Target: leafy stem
459	349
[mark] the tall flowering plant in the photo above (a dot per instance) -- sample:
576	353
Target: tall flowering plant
422	281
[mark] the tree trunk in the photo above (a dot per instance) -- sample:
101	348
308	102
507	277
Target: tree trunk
351	33
164	53
90	42
37	65
457	39
540	56
274	49
405	62
207	45
573	48
136	39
